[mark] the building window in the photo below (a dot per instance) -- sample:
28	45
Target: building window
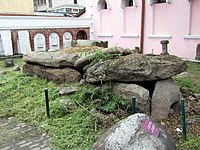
102	4
75	1
127	3
105	5
161	1
158	1
50	3
81	35
130	3
41	2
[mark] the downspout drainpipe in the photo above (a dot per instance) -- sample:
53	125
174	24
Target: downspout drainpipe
142	26
190	18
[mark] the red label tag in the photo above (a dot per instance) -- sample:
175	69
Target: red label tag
150	127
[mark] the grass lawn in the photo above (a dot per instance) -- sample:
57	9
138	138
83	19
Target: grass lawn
22	96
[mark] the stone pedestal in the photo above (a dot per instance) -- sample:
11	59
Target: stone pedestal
164	47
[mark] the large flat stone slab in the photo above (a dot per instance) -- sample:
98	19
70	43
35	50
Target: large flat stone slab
51	59
57	75
135	67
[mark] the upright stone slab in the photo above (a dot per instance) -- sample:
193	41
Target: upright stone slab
67	39
198	52
166	99
24	42
54	42
127	91
6	43
39	42
1	47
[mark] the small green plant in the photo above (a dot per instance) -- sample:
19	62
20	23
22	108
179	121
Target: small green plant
109	101
192	143
99	55
193	67
188	84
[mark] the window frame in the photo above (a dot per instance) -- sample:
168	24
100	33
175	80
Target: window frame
128	3
152	2
103	5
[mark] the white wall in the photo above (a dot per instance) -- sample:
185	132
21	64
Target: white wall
57	3
38	22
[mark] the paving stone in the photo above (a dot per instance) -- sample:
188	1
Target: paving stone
47	148
26	144
22	142
39	139
16	128
4	124
6	148
37	148
26	137
44	145
34	145
21	125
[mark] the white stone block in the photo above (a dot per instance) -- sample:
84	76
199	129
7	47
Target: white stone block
6	43
24	42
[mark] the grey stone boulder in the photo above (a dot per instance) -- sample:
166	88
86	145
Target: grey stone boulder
83	82
9	62
136	67
117	50
88	66
51	59
128	135
127	91
2	73
69	90
166	99
68	103
16	68
90	43
83	61
56	75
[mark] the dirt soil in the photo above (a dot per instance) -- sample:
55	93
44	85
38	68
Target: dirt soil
192	105
174	123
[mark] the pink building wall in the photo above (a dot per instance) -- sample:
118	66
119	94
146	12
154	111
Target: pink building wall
177	21
114	24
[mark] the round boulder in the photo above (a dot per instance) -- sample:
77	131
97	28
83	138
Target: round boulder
129	135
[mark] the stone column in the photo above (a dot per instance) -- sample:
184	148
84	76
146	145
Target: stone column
198	52
164	47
